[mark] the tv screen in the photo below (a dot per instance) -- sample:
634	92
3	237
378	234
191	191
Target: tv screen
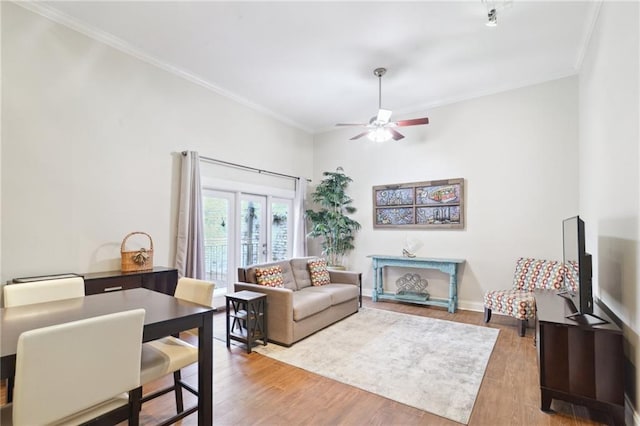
578	263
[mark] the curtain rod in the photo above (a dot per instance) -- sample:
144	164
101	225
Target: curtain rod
242	166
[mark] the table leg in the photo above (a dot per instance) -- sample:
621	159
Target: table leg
228	324
252	322
453	291
205	370
374	290
264	324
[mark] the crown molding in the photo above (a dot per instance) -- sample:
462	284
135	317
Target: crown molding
594	13
124	47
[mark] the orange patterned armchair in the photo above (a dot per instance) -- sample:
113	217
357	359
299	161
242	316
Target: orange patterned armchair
519	302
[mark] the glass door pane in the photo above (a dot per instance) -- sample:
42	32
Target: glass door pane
280	247
218	237
253	246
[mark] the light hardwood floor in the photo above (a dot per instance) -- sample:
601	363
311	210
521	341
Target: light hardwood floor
250	389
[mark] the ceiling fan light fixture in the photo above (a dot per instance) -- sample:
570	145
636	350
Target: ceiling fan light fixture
380	134
380	129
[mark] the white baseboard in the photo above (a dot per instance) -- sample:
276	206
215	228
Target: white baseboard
471	306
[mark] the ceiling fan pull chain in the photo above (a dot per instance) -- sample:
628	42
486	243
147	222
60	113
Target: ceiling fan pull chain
380	91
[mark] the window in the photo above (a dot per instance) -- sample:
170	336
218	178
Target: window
244	228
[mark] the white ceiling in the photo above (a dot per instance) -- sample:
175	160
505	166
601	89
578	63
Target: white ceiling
311	64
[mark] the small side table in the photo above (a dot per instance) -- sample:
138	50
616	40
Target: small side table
246	318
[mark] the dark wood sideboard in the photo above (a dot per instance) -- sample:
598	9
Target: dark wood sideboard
581	364
160	279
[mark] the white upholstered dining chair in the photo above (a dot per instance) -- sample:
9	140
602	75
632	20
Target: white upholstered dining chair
42	291
70	373
37	292
171	354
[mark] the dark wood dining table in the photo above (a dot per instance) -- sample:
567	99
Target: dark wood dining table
165	315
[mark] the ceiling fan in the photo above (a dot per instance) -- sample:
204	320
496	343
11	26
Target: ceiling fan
379	128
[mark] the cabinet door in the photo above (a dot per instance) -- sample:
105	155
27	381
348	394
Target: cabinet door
609	361
554	357
162	282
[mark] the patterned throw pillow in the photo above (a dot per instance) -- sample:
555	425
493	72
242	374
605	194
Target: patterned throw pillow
319	272
270	276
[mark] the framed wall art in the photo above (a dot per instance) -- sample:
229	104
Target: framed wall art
433	204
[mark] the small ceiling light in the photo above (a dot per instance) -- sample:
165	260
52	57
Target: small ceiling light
492	7
493	18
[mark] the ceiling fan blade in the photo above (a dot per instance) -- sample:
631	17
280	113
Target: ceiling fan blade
395	134
412	122
383	116
351	124
359	136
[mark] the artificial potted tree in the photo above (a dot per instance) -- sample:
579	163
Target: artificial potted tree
331	222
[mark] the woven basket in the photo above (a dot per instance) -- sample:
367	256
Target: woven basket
137	260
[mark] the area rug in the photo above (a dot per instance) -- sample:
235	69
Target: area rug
430	364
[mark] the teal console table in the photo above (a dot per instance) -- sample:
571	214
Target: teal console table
448	266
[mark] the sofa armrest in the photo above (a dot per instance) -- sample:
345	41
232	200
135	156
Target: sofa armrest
279	310
345	277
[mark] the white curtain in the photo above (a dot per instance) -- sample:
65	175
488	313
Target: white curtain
190	241
299	222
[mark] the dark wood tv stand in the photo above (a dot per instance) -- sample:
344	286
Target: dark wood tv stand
581	364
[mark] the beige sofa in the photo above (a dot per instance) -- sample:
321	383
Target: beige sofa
299	308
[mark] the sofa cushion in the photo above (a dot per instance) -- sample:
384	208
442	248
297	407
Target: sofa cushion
318	271
307	303
520	304
287	276
270	276
300	271
339	293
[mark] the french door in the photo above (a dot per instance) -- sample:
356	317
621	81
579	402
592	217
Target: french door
242	229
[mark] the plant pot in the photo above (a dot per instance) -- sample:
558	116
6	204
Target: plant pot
336	267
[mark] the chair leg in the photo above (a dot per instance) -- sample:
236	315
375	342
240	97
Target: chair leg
135	406
487	314
10	383
522	325
178	391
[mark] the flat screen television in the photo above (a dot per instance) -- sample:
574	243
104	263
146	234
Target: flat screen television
579	272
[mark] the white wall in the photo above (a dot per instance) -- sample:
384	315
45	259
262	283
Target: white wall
89	147
609	160
1	133
517	152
